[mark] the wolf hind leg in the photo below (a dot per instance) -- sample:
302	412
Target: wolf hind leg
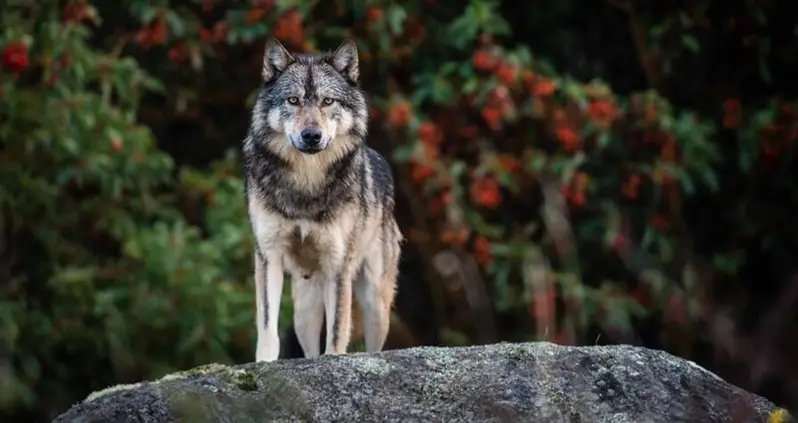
374	289
308	298
338	309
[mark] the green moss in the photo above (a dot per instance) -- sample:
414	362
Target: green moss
110	390
280	391
241	379
199	370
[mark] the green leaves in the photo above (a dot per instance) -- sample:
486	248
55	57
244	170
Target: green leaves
120	275
690	43
436	88
479	17
395	16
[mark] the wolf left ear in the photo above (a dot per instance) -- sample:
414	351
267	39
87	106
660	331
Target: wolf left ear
345	60
275	60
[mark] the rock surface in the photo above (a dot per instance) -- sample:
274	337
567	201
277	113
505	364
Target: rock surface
533	382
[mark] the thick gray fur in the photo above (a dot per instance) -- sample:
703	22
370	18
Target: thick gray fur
317	196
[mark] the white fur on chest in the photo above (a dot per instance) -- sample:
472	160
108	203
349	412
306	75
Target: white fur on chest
309	171
277	237
304	229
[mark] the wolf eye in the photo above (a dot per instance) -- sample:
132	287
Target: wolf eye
293	100
328	101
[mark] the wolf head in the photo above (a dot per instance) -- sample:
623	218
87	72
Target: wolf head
313	100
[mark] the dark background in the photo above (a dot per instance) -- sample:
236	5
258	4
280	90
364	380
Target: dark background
129	255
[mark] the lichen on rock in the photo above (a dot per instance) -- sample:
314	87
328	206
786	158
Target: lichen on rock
111	389
539	382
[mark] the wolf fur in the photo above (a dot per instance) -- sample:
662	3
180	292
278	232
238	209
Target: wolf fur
320	203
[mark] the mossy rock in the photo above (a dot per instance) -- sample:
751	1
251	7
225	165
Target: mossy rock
539	382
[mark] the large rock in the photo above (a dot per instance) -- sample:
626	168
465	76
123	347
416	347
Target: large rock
535	382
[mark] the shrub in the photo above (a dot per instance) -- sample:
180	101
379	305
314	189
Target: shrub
107	280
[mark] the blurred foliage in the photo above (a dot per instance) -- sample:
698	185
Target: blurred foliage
612	169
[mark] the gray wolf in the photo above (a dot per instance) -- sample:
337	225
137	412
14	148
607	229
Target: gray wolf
320	203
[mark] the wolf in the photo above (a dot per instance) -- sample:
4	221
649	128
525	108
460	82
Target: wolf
320	203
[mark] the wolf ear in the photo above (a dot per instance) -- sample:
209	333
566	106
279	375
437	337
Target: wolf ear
275	60
345	61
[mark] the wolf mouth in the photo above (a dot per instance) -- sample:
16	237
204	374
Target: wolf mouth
309	150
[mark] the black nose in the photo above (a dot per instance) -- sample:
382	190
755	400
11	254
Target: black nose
311	136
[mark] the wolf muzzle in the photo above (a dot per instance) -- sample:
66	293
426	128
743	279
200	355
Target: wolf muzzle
310	140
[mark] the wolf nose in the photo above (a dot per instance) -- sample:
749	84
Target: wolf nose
311	136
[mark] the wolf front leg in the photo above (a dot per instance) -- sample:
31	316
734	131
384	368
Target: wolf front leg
338	305
308	296
268	290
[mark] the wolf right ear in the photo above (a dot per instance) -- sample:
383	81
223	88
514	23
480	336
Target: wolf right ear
275	60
